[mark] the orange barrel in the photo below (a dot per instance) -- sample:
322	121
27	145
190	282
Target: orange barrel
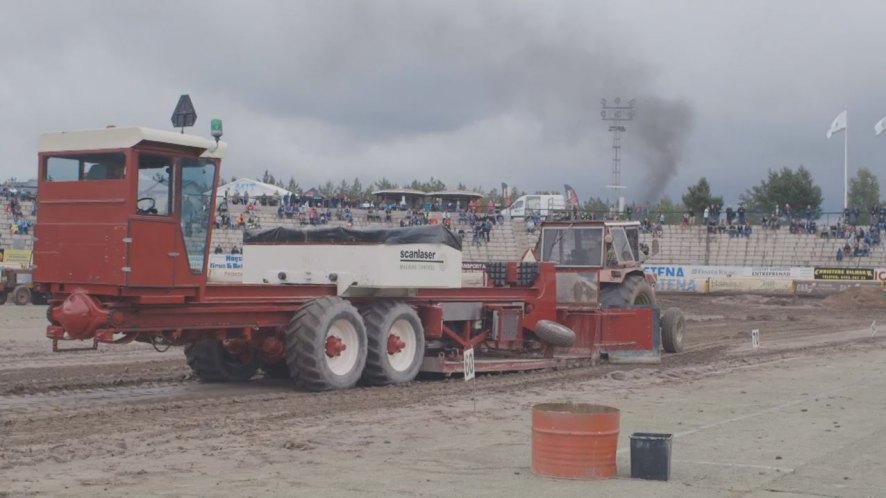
574	440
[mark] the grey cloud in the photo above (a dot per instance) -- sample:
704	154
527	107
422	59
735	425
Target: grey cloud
473	92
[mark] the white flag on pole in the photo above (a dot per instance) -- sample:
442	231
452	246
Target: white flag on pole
880	127
839	124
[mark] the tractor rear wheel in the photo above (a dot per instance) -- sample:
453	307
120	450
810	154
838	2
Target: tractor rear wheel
326	345
634	291
672	327
21	295
396	343
211	362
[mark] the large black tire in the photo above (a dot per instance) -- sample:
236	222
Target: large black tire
555	334
384	319
212	363
633	291
277	370
672	327
21	295
306	343
3	297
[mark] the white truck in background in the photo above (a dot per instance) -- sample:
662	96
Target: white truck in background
539	204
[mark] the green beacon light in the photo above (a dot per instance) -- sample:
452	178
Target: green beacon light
216	126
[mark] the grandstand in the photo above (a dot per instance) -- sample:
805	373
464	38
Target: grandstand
508	241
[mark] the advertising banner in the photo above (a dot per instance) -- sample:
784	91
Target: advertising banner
728	285
226	268
827	287
767	272
854	274
17	258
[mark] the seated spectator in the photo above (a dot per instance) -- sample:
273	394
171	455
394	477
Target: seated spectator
236	198
235	249
252	223
281	211
241	221
839	254
219	250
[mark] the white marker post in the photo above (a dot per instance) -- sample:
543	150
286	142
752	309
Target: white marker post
873	328
470	373
469	364
755	338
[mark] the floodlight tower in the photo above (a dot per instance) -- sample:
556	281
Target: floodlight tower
616	115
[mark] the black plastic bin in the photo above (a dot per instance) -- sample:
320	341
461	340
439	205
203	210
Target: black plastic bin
651	456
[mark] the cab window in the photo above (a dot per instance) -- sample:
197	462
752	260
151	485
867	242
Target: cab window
621	245
573	246
79	167
155	185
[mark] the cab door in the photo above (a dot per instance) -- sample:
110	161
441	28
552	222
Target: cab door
196	203
153	228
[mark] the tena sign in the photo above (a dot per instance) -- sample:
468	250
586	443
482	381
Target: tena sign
666	271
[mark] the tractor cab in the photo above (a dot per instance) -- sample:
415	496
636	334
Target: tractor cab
593	244
124	208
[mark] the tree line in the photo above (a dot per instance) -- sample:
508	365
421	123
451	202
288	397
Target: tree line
794	187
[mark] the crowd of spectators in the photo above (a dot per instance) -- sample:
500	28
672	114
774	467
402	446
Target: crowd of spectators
858	241
20	224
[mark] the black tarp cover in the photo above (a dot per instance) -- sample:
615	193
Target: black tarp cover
427	234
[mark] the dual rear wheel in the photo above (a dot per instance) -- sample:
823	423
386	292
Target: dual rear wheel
331	345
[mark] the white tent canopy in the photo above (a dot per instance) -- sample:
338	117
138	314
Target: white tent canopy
254	188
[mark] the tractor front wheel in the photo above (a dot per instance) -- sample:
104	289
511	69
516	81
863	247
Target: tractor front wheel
326	345
672	327
4	296
211	362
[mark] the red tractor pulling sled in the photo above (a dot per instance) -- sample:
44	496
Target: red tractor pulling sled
123	247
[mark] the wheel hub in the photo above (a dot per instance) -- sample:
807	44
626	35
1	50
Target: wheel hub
334	346
395	344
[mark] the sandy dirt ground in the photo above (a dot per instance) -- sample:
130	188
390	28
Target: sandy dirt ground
800	416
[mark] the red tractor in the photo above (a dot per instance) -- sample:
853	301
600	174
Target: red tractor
122	250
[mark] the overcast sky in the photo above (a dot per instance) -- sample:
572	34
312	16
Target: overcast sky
476	92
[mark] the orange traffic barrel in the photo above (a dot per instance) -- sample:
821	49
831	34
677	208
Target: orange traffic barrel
574	440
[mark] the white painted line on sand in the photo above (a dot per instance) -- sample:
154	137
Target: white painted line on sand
744	465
